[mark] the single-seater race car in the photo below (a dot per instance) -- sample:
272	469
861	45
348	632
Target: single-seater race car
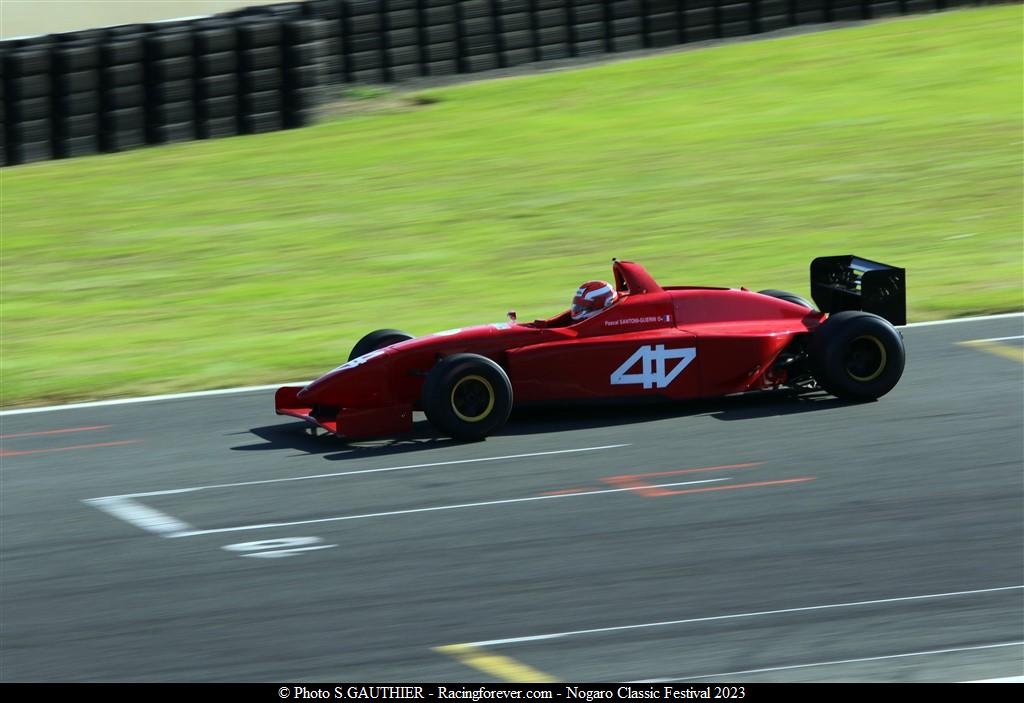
629	339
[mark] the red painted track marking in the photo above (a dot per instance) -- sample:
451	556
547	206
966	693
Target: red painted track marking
44	432
649	491
645	489
639	487
20	452
684	471
743	485
632	480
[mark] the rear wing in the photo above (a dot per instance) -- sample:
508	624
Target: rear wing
848	282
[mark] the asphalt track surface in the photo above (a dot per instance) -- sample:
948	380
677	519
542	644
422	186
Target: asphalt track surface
756	539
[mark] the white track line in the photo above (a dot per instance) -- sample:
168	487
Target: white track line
436	508
1005	679
994	339
142	516
149	398
837	661
980	318
367	471
274	386
664	623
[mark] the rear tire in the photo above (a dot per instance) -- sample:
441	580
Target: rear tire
857	356
377	340
467	396
788	297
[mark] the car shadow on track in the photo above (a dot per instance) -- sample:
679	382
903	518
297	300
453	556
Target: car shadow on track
745	407
296	436
545	420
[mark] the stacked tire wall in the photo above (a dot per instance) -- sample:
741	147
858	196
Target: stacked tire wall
270	67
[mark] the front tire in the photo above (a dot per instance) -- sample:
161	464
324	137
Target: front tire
857	356
467	396
378	339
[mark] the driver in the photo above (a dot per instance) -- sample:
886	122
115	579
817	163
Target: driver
591	298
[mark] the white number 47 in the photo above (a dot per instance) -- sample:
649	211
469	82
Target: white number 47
652	366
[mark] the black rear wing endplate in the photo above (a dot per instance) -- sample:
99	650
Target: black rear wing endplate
848	282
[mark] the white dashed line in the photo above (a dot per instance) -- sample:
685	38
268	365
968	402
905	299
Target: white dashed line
733	616
436	508
847	661
142	516
359	472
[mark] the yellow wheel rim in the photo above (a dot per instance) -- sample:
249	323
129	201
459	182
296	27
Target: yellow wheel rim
866	359
472	398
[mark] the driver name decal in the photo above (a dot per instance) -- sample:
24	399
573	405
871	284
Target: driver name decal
653	371
637	320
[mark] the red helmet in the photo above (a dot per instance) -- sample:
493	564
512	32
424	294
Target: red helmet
591	298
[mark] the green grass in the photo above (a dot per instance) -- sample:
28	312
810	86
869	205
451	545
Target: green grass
264	258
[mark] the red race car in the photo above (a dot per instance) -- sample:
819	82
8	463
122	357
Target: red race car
622	340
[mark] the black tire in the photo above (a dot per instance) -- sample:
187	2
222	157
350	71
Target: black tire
256	81
364	24
588	13
173	113
217	64
552	52
217	127
303	31
507	7
402	19
76	146
442	52
552	35
78	82
170	133
403	56
261	59
218	108
257	33
114	140
68	59
474	64
378	339
168	45
176	69
125	75
170	92
78	103
257	103
588	32
304	77
467	396
217	86
788	297
308	99
128	119
261	123
215	40
119	52
440	33
857	356
517	57
517	40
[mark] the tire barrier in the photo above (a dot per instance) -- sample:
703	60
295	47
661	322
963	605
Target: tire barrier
270	67
27	104
218	107
363	28
122	90
169	70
